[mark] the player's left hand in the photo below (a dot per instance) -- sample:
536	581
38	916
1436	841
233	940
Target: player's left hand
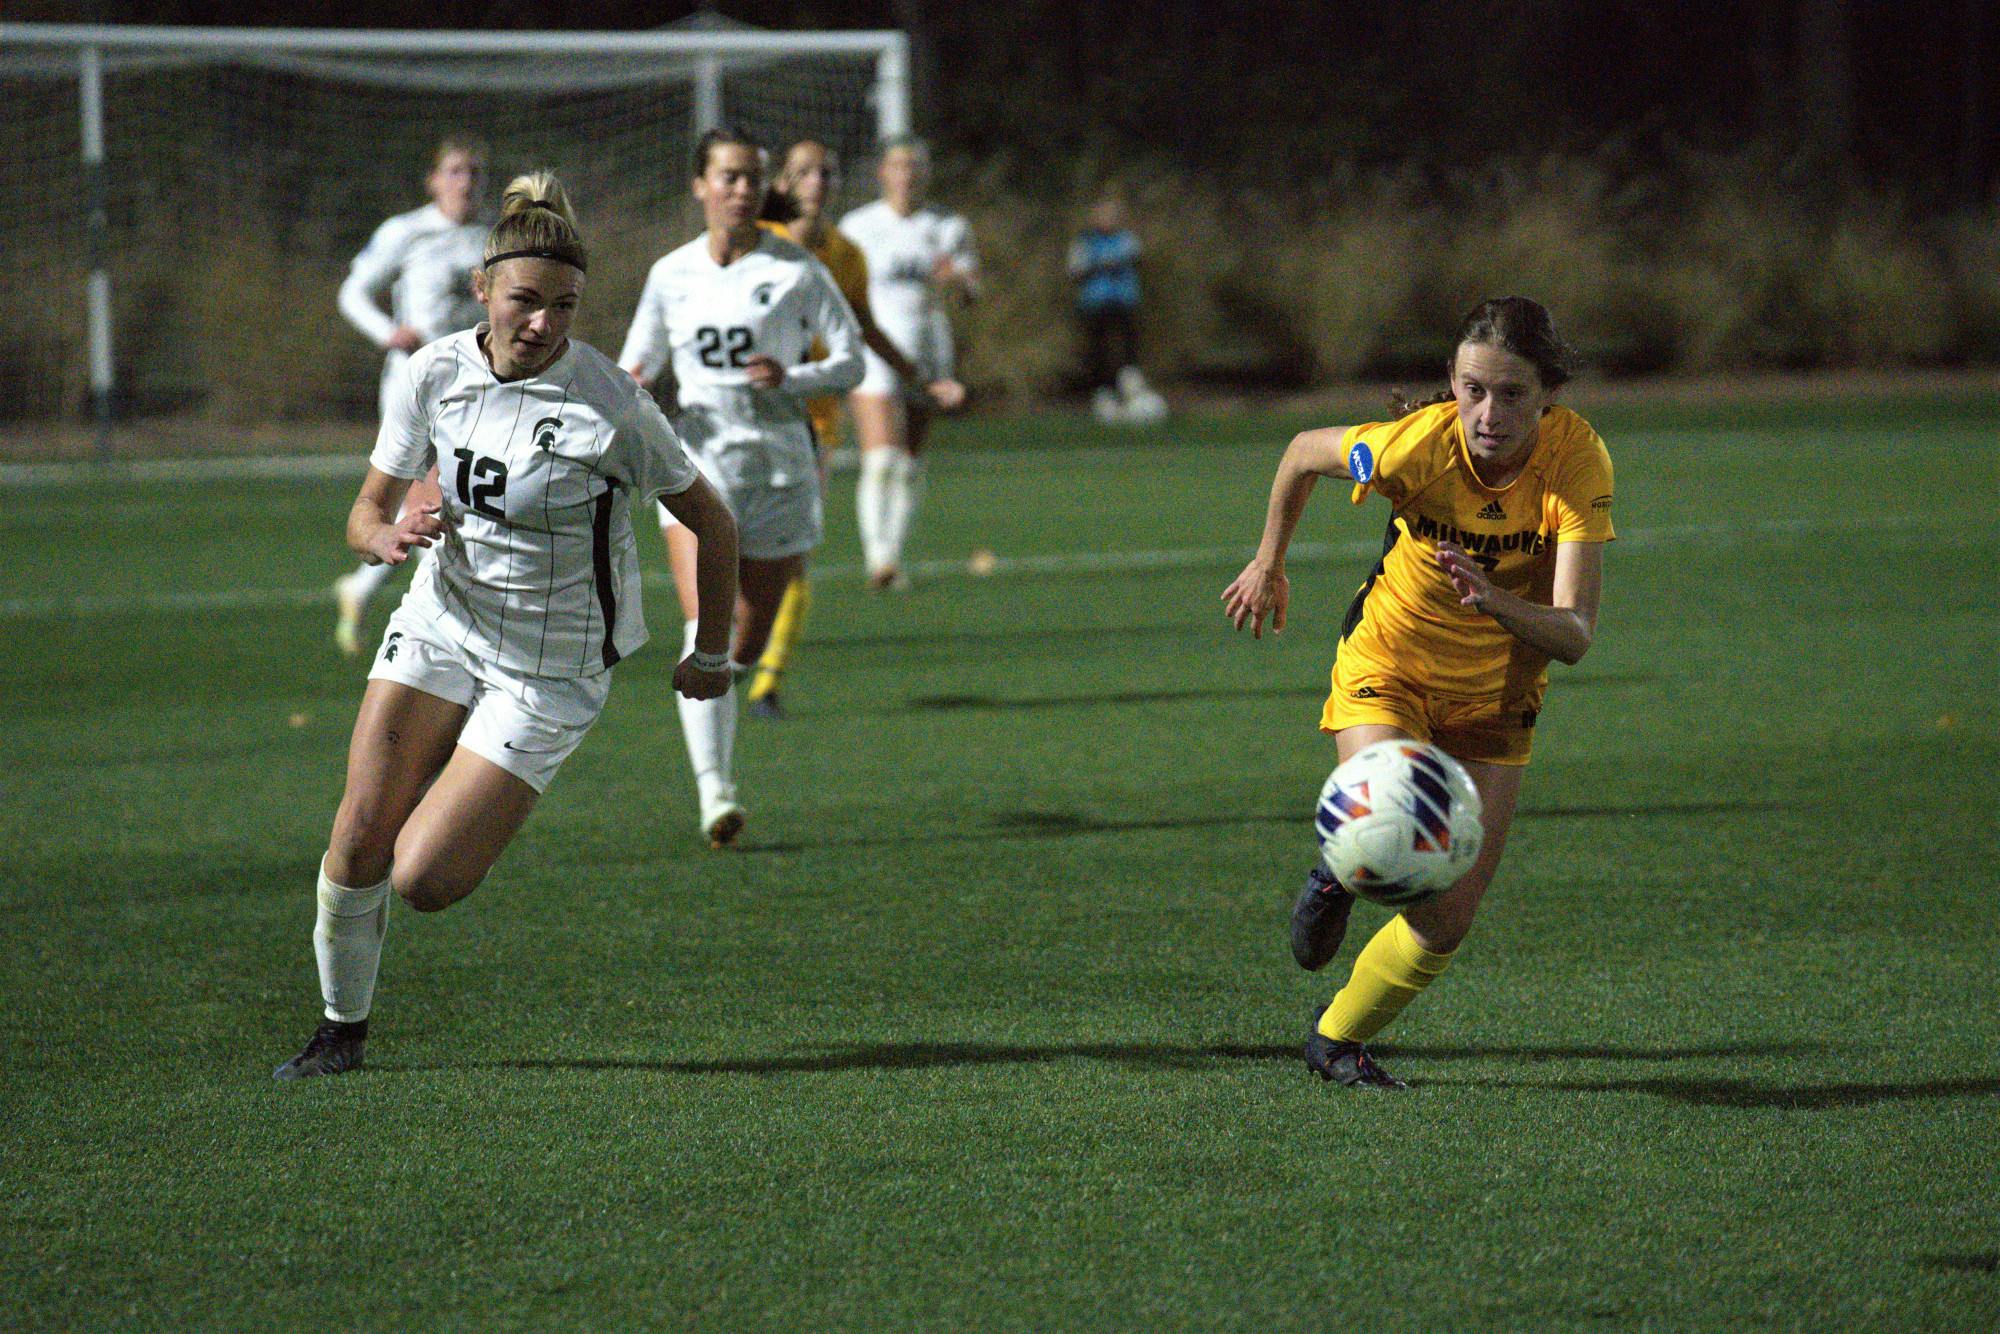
1466	574
764	372
1254	594
693	682
947	394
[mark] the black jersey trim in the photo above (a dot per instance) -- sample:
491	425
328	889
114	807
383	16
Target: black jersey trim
1353	618
600	559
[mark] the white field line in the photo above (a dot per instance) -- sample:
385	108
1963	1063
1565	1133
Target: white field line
300	467
1069	562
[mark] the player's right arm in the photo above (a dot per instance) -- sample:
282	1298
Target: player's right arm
1262	589
648	350
946	393
958	266
378	530
370	276
375	533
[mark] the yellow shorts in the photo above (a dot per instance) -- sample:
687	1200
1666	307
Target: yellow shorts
1489	730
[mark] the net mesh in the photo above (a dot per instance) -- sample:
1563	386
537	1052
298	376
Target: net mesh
239	187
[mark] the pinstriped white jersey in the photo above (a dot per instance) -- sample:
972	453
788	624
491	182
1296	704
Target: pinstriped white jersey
709	319
902	255
423	261
541	571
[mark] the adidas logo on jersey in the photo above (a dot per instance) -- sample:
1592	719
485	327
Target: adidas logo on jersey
1493	513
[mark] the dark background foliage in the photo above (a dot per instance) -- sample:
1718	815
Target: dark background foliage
1901	95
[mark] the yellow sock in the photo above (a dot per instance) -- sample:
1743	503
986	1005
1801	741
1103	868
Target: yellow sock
785	631
1388	974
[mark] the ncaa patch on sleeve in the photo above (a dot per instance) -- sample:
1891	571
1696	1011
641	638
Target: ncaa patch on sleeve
1360	462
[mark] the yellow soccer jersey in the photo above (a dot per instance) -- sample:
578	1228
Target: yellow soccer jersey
1407	620
844	260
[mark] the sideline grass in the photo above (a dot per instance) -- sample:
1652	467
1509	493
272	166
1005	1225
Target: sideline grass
991	1025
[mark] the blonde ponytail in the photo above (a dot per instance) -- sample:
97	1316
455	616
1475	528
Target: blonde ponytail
536	220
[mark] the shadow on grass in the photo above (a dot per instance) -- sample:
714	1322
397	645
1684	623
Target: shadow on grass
1658	808
1967	1262
988	703
932	638
1072	824
1600	1052
1001	704
1024	824
1164	1056
905	1056
1742	1094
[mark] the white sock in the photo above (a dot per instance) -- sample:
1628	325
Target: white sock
905	488
709	727
366	579
347	940
871	497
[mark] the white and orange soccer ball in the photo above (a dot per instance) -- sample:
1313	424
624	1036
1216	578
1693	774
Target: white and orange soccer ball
1399	822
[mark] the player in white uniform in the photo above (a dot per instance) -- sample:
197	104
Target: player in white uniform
916	254
732	317
498	661
423	262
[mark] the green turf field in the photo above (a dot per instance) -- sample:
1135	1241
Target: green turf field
991	1023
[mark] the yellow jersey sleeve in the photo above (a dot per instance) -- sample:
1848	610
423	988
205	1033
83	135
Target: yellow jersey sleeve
849	267
1394	458
1579	493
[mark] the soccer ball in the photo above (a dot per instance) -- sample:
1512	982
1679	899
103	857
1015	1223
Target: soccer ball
1399	822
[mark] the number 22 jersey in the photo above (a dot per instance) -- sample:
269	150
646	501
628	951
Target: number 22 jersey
709	319
1407	621
540	573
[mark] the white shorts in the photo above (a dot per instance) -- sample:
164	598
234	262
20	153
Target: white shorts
772	522
528	725
926	342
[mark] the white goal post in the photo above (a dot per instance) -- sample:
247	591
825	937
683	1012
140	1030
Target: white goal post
279	149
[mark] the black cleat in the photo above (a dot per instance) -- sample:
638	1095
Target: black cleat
1346	1063
1319	920
334	1049
767	706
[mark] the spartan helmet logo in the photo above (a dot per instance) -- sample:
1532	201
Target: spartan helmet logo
545	433
761	294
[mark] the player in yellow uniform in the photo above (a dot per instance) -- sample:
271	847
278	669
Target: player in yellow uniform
1493	564
805	186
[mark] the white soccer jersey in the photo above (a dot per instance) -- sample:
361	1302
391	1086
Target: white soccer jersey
902	256
541	572
423	261
709	319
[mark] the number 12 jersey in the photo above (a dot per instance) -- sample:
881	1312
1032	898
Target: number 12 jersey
540	572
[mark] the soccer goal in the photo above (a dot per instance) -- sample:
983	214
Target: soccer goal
186	201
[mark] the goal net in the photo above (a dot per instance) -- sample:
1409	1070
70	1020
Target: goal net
242	170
